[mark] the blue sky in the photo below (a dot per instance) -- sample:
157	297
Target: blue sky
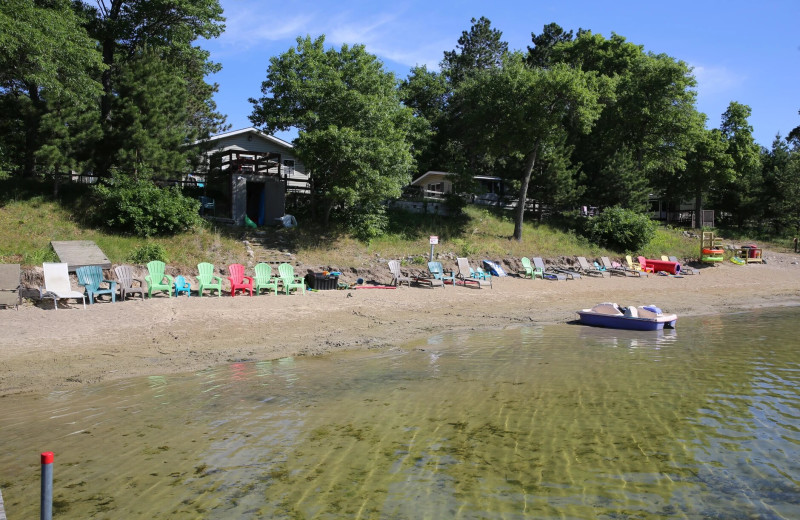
740	50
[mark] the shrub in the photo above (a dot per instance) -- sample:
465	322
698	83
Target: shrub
148	252
620	229
143	209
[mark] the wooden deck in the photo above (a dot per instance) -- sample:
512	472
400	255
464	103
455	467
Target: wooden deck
78	253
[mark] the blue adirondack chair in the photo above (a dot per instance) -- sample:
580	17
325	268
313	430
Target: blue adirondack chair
91	278
181	285
438	273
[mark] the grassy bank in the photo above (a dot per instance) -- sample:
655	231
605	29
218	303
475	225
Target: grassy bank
29	224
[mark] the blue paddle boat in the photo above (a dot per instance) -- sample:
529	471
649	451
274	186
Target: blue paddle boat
611	315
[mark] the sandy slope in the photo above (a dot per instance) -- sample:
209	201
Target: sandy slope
42	349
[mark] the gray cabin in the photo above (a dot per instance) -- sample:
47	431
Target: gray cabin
249	173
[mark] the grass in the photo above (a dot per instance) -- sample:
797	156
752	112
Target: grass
29	221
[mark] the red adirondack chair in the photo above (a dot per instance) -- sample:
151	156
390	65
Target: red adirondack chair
239	280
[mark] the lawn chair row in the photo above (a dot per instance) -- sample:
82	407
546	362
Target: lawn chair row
438	277
537	268
57	285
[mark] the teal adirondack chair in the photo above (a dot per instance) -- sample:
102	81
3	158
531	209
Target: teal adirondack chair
206	279
181	285
91	278
438	273
289	280
264	279
156	278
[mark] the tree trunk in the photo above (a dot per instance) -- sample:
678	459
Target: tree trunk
32	116
530	161
698	205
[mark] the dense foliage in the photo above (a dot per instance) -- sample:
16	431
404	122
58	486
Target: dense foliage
620	229
353	132
141	208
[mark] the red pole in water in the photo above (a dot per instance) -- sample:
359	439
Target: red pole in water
46	509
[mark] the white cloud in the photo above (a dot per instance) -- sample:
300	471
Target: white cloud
717	80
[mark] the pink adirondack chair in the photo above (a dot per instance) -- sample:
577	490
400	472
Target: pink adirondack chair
238	280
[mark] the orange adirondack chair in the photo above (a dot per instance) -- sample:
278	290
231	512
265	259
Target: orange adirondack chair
239	280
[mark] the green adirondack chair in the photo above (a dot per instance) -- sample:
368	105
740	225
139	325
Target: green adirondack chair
289	280
528	267
156	279
206	279
264	279
91	278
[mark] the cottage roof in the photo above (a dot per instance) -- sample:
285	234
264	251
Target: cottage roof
249	130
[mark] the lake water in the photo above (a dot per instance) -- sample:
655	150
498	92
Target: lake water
557	421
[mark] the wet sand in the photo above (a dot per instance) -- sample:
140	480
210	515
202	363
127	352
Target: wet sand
43	350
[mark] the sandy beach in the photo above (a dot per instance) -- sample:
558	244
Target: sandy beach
42	349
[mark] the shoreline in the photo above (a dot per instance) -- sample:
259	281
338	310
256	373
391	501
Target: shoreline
44	350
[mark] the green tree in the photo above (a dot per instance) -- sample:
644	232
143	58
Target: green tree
780	195
480	48
148	118
125	28
739	197
646	126
46	60
543	44
521	112
353	131
709	167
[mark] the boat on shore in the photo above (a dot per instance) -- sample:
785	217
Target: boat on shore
611	315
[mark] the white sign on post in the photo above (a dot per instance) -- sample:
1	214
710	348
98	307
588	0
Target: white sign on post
434	239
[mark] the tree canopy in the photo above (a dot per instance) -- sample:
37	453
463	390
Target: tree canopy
353	132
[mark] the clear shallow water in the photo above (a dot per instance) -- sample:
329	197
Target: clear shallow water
559	421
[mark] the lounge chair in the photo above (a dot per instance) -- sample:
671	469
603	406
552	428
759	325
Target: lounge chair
157	279
437	271
610	268
10	286
589	269
125	280
466	275
206	279
91	278
264	279
685	269
289	280
397	275
569	272
182	285
238	279
56	284
546	273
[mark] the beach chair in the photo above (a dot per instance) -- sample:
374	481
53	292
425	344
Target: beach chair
610	268
182	285
57	286
437	271
527	268
238	279
206	279
634	267
466	275
125	282
157	279
264	279
10	286
644	266
91	278
397	275
589	269
289	280
546	274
